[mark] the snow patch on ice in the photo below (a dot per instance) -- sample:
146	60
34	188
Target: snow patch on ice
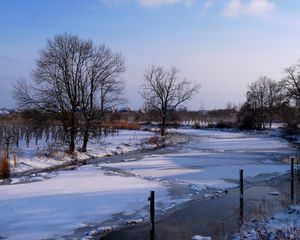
198	237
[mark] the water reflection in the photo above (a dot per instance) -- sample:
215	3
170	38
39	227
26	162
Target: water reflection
152	234
203	217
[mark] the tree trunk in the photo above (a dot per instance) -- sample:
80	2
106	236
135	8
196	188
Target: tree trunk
72	142
7	150
85	141
163	127
72	139
72	133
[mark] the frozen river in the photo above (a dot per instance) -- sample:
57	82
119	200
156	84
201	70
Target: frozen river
112	194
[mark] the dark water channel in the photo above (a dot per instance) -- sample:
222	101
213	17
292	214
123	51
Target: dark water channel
218	218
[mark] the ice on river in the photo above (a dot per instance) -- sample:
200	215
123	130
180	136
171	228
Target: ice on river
214	160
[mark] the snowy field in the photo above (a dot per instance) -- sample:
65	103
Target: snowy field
67	200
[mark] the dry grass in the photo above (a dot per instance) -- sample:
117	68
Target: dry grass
122	125
4	167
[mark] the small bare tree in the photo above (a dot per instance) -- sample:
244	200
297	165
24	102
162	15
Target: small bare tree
163	92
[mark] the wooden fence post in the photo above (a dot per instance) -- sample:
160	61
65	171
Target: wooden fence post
152	208
292	178
241	195
152	214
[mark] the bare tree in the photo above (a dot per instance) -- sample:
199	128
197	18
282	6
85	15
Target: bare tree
68	77
163	92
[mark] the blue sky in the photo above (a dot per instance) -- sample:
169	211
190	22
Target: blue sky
222	44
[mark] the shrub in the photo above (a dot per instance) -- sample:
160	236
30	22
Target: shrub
4	167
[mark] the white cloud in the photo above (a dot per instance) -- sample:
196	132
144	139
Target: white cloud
206	7
235	8
154	3
157	2
260	7
149	3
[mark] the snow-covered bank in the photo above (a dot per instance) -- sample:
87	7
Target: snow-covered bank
281	226
72	199
45	154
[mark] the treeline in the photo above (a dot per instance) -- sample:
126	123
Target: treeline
32	127
267	99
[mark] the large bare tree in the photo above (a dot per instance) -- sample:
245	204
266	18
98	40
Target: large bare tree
163	92
68	81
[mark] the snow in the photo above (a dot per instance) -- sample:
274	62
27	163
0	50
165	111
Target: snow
284	225
34	156
97	231
52	205
51	208
197	237
3	111
125	141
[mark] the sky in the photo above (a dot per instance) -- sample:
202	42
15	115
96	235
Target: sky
222	44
